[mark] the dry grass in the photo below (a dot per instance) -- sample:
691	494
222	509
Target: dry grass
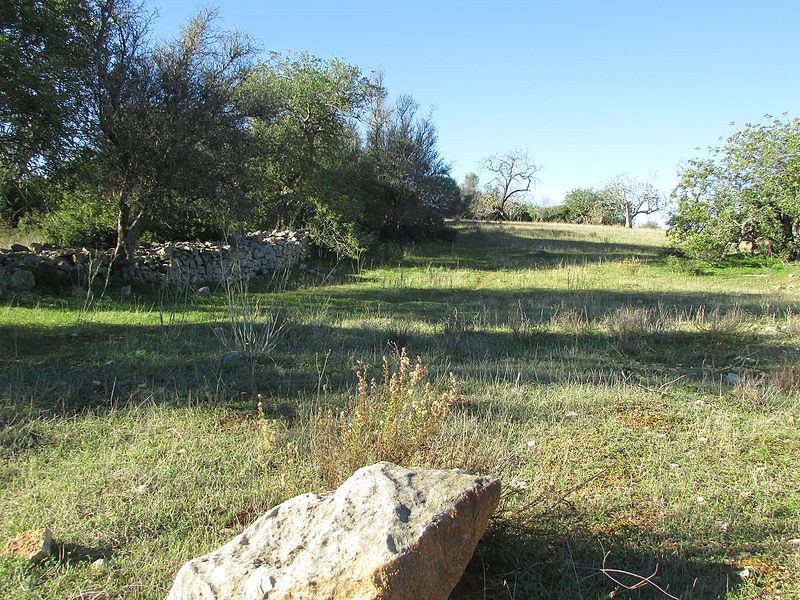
394	420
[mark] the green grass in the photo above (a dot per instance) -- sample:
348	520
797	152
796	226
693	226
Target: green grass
592	369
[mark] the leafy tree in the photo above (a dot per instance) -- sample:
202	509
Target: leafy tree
587	205
512	175
411	175
167	139
632	197
747	192
44	63
303	111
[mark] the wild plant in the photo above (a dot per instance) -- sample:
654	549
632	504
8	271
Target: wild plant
394	420
718	323
632	265
456	333
574	320
518	321
630	325
252	330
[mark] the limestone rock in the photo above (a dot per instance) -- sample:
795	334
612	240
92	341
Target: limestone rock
32	545
388	533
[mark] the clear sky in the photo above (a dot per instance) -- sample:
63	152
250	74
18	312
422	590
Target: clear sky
592	89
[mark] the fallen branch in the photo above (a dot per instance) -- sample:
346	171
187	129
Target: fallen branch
643	581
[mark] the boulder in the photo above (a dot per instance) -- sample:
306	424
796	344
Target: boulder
388	533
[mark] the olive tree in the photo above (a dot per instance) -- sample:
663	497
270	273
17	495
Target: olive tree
167	138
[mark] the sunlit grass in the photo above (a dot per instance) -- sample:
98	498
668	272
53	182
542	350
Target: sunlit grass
638	407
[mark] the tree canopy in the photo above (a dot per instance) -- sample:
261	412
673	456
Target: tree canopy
197	136
745	195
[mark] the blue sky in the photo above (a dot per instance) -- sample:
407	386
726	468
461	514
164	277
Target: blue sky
592	89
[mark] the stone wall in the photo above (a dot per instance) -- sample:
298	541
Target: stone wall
191	263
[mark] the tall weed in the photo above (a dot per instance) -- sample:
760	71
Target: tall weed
394	420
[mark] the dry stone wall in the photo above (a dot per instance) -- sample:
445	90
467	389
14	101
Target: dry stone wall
190	263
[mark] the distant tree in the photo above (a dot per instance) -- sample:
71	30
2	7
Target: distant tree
587	205
746	193
512	177
631	197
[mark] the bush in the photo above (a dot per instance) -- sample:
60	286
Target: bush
81	220
394	420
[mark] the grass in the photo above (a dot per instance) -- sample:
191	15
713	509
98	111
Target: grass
641	410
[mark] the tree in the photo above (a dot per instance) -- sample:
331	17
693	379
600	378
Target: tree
167	138
44	63
512	176
413	180
587	205
302	111
631	197
747	193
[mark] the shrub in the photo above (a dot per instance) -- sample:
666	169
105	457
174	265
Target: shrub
81	220
394	420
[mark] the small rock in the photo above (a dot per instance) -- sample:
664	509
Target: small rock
32	545
745	573
203	291
700	500
795	542
387	533
702	439
99	566
674	466
531	444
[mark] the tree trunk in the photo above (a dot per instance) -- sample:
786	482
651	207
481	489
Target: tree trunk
628	218
128	232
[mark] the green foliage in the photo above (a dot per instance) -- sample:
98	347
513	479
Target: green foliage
558	213
82	219
328	231
44	63
412	181
302	110
745	196
587	205
188	139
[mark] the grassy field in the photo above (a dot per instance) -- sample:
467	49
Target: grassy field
642	411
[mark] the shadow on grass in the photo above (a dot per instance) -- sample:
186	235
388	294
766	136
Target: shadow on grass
502	250
75	554
541	562
62	370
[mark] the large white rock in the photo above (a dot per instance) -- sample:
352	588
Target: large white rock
386	533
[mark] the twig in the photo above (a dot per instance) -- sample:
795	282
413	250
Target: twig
643	581
563	496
